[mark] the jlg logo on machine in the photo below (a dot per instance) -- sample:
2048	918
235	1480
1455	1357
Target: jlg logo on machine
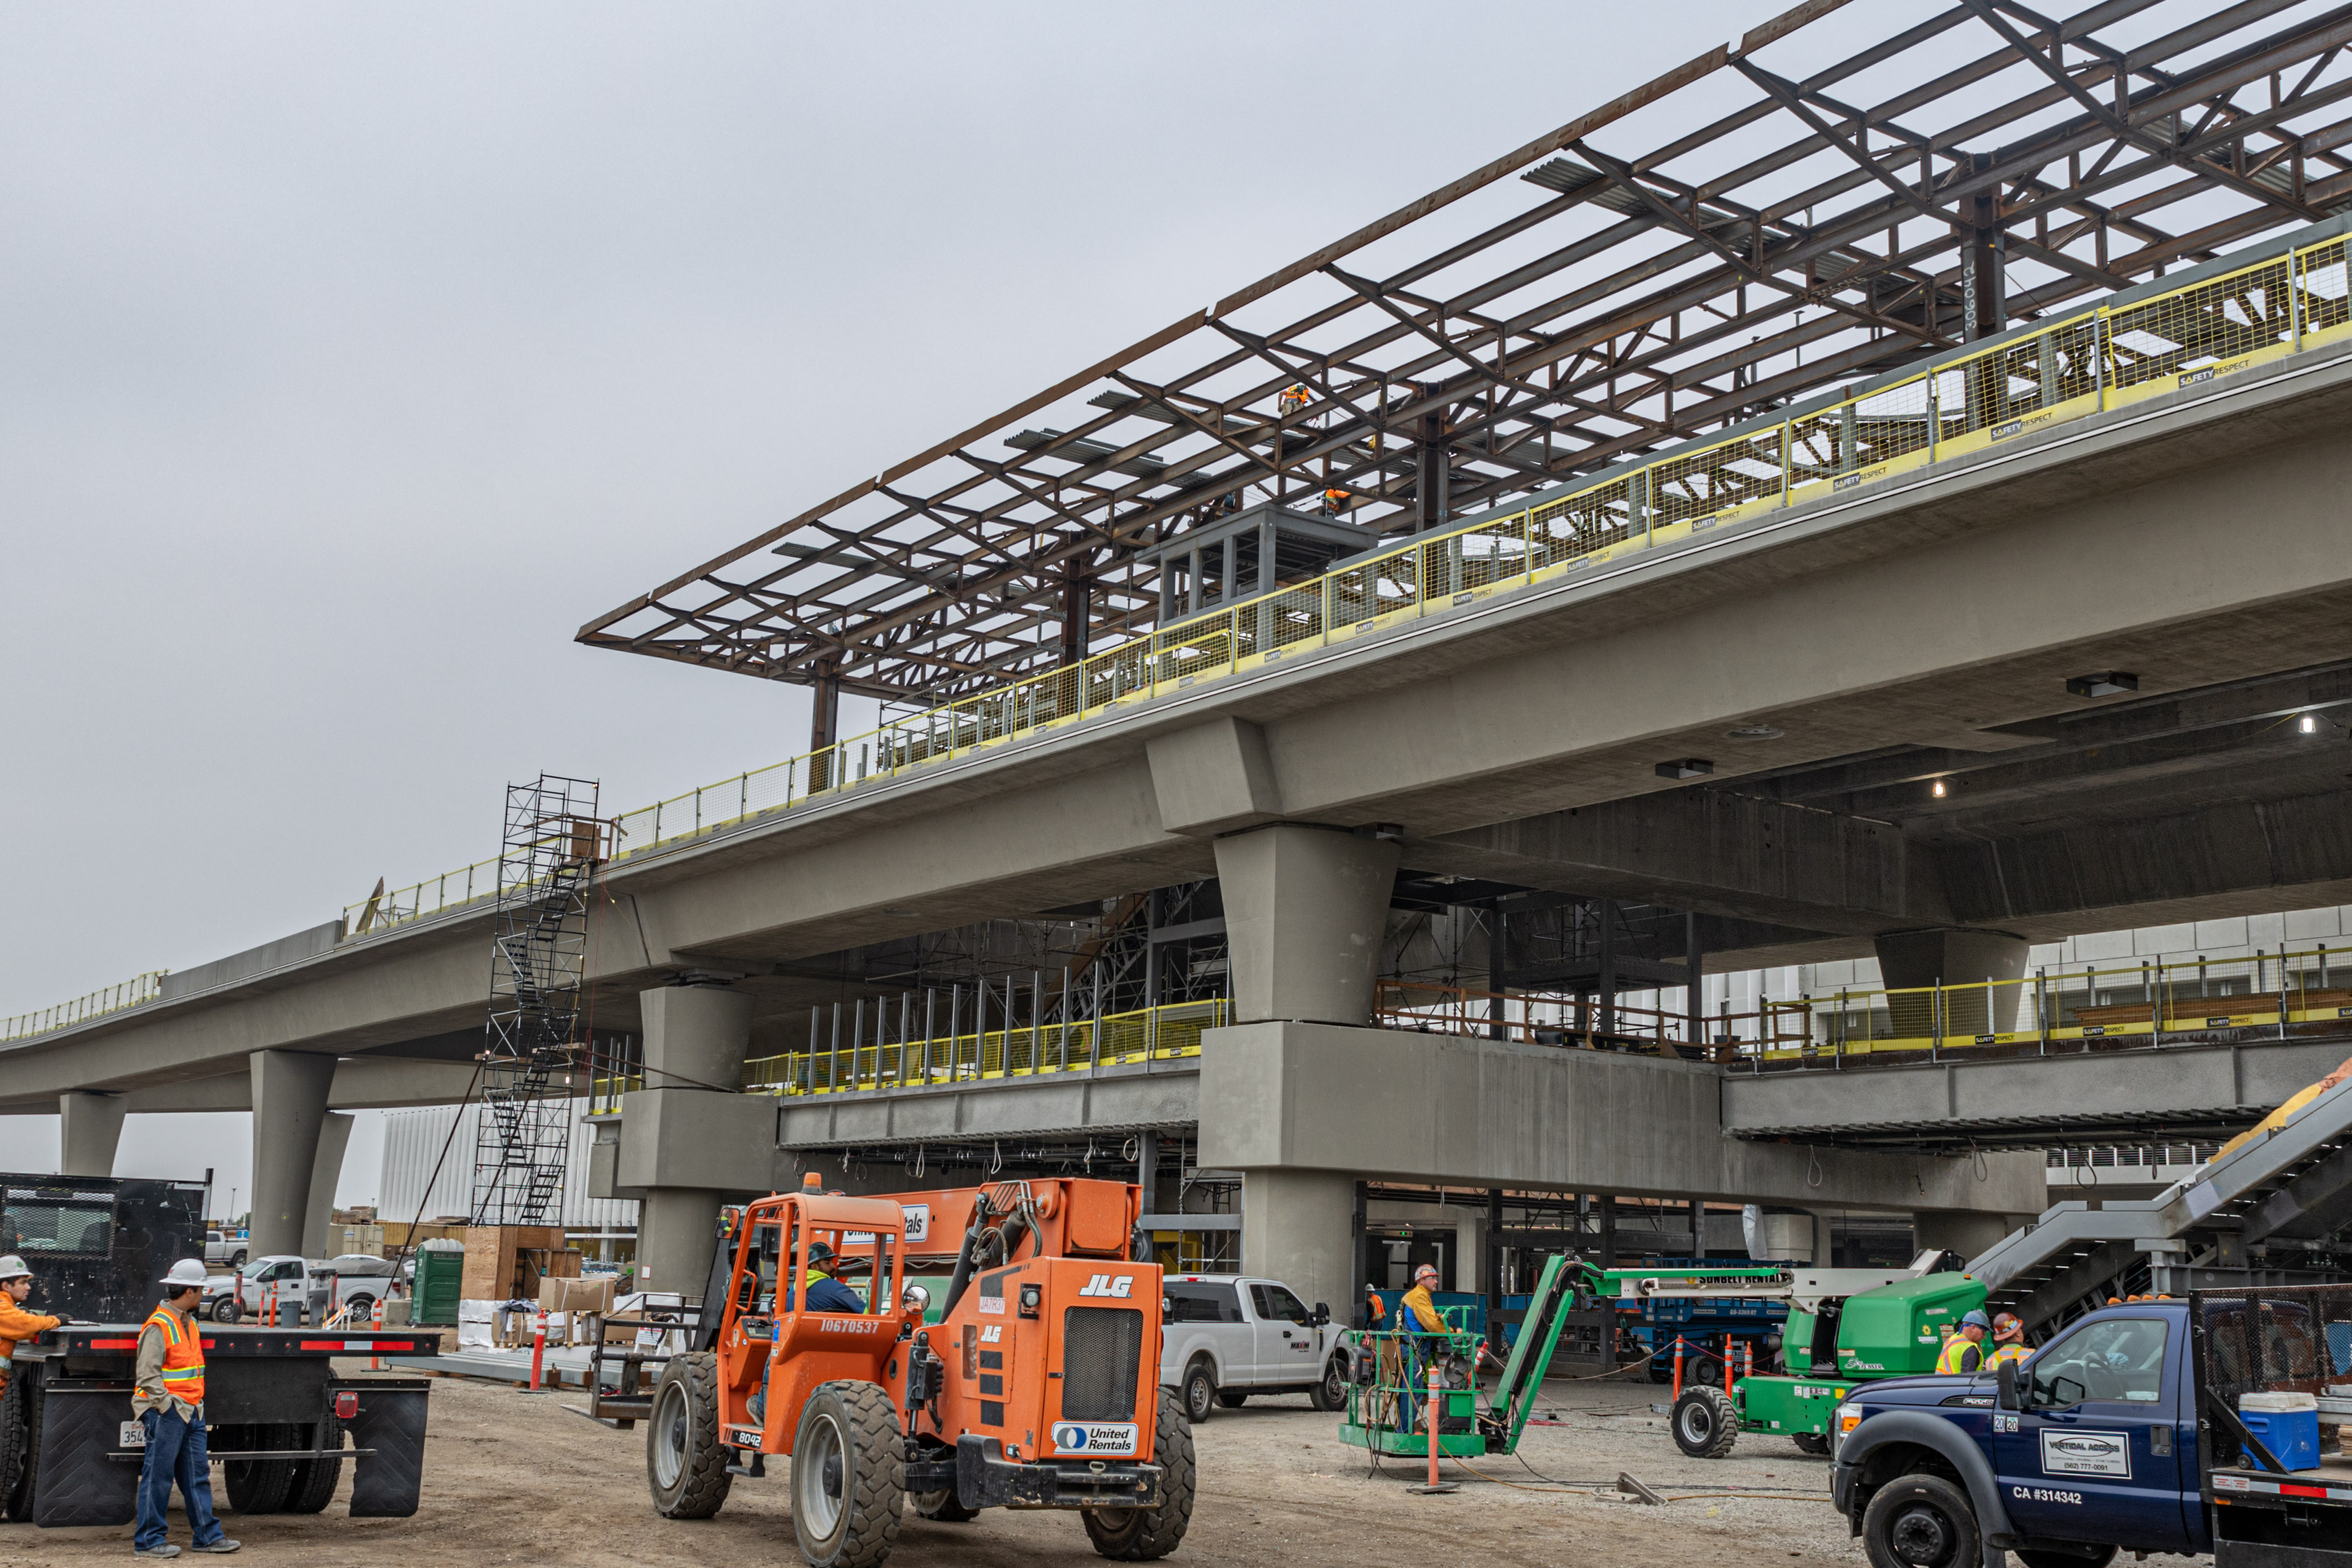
1119	1287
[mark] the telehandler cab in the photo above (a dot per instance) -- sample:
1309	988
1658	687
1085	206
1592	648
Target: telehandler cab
1037	1387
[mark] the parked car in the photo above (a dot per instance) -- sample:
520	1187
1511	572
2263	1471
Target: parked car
1227	1336
318	1287
224	1248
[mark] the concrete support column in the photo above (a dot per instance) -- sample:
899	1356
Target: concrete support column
1297	1226
1304	911
89	1126
289	1111
326	1173
1947	957
1959	1231
686	1131
677	1230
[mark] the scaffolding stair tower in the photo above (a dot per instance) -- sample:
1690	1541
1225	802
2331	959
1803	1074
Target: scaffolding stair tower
554	842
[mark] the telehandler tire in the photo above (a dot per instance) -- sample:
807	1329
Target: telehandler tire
1144	1534
849	1476
686	1464
1704	1424
1813	1443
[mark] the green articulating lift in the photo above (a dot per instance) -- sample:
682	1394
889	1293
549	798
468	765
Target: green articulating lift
1846	1326
1388	1397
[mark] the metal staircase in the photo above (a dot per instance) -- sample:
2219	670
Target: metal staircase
522	1139
2272	1211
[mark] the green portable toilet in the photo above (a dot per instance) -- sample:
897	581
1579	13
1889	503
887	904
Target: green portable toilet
440	1272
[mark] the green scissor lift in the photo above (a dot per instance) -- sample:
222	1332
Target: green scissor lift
1394	1377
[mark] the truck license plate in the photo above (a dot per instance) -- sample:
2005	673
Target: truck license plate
1095	1437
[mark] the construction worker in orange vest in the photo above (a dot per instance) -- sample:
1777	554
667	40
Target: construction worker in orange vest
15	1323
170	1399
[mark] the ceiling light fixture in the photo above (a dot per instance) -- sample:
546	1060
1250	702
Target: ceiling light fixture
1753	732
2308	725
1685	768
2104	683
1939	789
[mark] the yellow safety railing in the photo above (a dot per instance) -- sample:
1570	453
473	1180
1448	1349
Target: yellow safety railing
1165	1033
2098	1006
108	999
2101	358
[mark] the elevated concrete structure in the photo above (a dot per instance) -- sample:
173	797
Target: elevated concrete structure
1516	737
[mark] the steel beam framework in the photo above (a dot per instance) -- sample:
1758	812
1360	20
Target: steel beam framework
1796	225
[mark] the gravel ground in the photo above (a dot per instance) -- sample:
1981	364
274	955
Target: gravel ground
510	1477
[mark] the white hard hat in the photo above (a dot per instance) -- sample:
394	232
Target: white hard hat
187	1273
13	1268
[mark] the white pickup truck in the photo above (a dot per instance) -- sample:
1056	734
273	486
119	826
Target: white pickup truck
307	1289
1228	1336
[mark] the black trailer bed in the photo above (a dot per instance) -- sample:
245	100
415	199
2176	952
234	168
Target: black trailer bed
276	1414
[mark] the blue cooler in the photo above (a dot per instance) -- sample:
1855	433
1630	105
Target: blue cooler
2287	1424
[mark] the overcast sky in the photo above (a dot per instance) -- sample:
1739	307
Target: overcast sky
350	357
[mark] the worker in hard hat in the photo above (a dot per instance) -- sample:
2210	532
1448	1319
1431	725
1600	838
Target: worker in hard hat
2008	1341
170	1400
15	1323
1418	1317
1964	1352
825	1293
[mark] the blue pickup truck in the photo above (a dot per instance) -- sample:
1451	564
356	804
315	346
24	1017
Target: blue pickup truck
2122	1433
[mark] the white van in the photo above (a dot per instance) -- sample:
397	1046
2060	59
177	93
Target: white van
1228	1336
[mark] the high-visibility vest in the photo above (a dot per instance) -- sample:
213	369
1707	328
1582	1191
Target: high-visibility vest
1954	1349
2006	1352
183	1355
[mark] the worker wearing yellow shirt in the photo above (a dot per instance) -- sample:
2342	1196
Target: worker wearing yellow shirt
1419	1320
15	1323
1419	1313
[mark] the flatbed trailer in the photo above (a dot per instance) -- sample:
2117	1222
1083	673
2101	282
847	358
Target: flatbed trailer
280	1419
277	1418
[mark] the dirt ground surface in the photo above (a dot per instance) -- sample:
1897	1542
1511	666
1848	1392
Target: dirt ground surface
510	1477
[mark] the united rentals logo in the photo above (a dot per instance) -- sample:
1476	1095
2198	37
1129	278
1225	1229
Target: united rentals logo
1120	1287
1095	1437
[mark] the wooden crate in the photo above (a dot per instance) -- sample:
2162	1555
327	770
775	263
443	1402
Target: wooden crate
506	1261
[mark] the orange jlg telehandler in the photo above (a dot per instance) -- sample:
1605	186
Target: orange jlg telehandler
1039	1387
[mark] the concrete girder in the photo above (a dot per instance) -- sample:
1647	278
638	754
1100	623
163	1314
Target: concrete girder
2029	1100
1708	851
2268	854
1473	1113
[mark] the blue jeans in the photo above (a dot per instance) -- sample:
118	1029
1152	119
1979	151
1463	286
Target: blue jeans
175	1452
